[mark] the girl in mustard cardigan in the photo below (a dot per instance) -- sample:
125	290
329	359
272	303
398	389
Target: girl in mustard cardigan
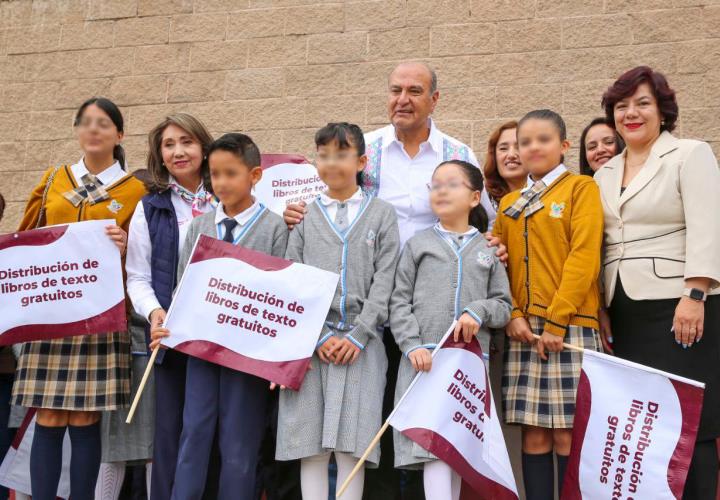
553	231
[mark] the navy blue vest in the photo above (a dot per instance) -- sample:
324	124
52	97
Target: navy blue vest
164	235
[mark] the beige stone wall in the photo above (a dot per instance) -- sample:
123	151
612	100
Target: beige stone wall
278	69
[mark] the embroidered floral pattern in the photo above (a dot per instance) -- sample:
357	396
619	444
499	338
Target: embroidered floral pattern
371	174
454	151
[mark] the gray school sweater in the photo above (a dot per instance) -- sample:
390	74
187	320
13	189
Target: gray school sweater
434	284
339	407
268	234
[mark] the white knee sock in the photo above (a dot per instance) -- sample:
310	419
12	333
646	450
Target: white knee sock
148	477
441	482
345	464
314	477
110	481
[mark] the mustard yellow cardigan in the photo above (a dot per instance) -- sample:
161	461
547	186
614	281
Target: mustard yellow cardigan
554	255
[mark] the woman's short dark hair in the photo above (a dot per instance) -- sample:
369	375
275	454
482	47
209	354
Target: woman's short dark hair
113	112
347	135
619	144
627	84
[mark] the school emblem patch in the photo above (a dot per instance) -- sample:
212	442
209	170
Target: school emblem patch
114	206
484	259
370	239
557	209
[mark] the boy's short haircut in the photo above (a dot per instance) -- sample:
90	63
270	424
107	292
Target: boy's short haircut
2	206
238	144
346	134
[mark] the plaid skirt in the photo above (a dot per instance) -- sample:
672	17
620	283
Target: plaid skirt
81	373
542	393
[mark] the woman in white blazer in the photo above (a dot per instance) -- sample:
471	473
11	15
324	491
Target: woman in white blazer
661	262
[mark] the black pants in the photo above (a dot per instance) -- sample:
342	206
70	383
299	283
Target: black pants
702	478
278	480
386	482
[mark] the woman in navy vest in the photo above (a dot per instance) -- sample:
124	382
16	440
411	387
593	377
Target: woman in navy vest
179	187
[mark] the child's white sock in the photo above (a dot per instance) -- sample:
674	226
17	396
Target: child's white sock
314	476
345	464
440	481
110	481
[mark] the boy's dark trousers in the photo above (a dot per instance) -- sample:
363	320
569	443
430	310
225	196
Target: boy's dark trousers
386	481
236	404
169	402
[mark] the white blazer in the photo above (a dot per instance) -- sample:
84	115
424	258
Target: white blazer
665	227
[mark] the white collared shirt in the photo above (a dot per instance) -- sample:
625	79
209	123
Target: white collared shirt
108	176
242	218
353	205
404	180
139	251
449	236
548	178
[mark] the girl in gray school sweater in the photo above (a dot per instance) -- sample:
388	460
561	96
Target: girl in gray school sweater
338	408
445	273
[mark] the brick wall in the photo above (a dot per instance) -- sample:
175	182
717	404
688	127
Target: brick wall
278	69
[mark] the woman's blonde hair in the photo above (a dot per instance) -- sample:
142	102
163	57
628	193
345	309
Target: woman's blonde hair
157	171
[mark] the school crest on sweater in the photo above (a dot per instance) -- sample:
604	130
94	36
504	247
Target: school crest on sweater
557	209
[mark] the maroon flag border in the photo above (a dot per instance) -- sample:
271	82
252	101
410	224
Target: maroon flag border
268	160
288	373
33	237
439	446
681	457
112	320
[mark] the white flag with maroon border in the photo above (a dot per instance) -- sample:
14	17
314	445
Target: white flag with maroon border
287	179
450	412
249	311
634	431
60	281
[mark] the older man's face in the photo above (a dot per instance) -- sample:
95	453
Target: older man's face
409	99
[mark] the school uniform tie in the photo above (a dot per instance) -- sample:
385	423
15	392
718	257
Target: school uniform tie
341	217
229	224
91	189
529	202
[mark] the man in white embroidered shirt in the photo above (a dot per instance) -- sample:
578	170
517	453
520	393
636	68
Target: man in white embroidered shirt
401	159
403	155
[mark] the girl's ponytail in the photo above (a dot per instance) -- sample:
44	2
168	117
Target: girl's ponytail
119	155
479	218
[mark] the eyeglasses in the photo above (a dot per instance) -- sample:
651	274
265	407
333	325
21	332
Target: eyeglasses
435	187
325	159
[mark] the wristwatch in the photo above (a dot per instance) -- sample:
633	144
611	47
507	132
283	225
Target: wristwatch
695	294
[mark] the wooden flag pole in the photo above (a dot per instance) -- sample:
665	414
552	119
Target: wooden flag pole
565	345
141	387
363	458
